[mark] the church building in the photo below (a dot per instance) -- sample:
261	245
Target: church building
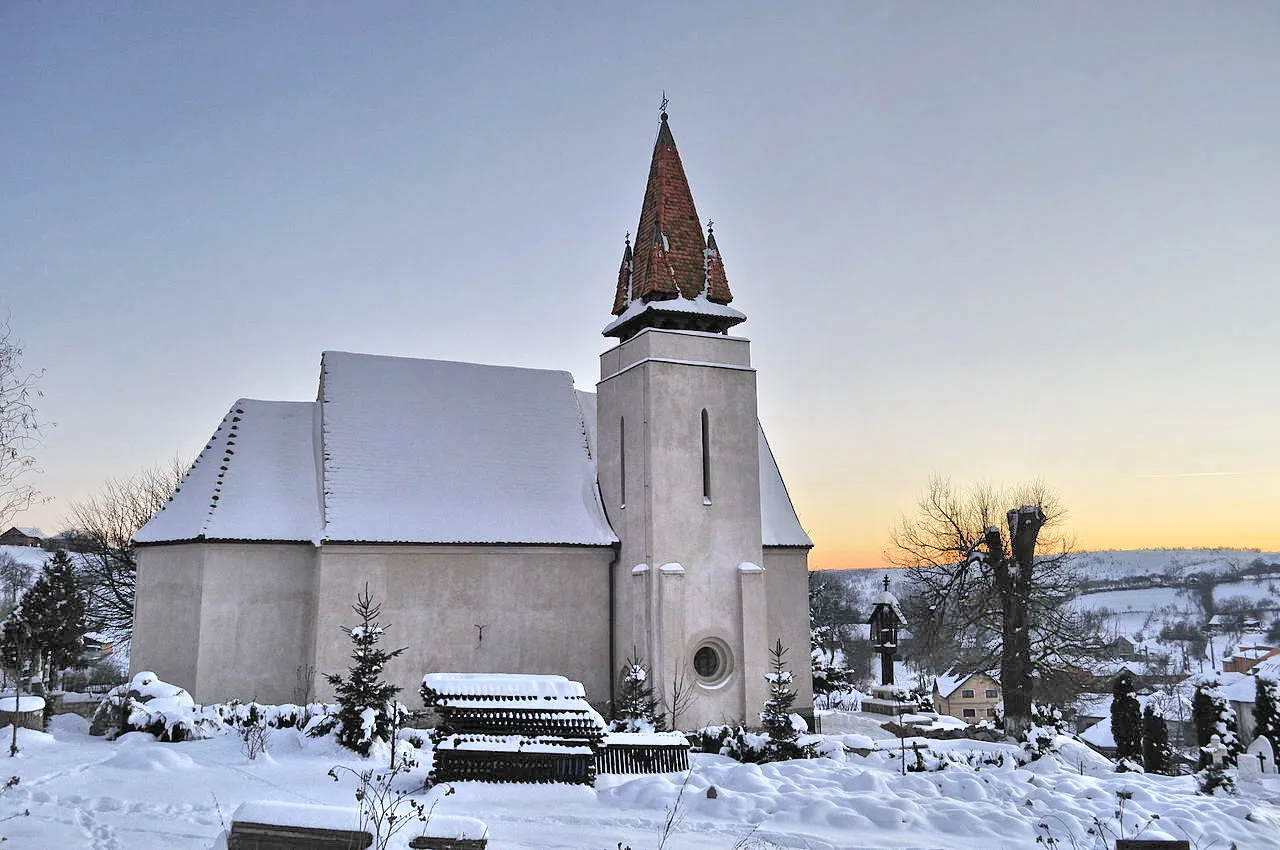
506	521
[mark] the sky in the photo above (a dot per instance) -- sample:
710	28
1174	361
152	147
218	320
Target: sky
992	241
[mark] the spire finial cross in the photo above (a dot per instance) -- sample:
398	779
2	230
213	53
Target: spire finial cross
663	108
886	584
627	238
710	225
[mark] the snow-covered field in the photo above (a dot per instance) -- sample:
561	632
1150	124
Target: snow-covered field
136	793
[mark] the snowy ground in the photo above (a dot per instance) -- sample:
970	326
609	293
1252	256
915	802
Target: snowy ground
136	793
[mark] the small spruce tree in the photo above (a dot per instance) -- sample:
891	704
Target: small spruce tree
1157	755
1126	721
776	716
636	709
367	708
1266	710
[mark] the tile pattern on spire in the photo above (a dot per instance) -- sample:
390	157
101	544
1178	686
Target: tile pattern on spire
670	259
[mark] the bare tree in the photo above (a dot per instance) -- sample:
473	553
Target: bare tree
102	530
15	577
1002	603
679	693
19	428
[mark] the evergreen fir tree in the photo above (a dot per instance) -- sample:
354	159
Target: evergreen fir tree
776	716
1157	755
636	709
367	708
1126	720
1266	704
1212	715
50	617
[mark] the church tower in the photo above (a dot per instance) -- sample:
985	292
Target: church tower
679	464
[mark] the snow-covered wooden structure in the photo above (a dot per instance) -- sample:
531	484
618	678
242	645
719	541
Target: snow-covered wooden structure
512	728
643	752
886	622
506	520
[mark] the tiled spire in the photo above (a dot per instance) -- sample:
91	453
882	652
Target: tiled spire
671	259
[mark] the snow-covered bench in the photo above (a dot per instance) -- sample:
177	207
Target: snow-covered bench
261	825
264	825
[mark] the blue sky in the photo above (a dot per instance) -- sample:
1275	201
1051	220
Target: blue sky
999	241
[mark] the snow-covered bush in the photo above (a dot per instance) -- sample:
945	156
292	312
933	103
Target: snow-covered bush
1046	726
250	722
747	746
146	704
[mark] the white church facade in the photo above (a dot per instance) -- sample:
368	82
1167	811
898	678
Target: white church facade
506	521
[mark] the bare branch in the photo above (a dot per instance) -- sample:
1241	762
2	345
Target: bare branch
19	428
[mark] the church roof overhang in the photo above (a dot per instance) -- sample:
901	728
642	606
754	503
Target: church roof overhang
688	314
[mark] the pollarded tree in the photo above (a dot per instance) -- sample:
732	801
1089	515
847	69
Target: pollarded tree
1266	709
1126	720
367	707
1157	755
1005	601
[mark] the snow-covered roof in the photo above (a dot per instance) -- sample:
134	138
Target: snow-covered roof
949	682
1099	735
399	450
779	525
891	602
433	451
255	480
699	305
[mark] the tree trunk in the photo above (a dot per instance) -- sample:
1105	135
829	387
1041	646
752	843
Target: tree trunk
1013	581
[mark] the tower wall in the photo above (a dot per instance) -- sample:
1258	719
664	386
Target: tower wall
654	389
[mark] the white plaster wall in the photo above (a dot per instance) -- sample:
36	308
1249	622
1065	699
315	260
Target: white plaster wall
545	609
787	587
256	621
665	519
166	613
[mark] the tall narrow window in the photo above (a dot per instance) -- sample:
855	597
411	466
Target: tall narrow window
706	458
622	461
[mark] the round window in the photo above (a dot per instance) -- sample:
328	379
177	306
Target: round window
706	662
712	662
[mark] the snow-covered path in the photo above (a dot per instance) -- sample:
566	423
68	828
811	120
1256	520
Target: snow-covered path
135	793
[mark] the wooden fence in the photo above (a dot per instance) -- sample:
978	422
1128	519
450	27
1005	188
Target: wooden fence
643	758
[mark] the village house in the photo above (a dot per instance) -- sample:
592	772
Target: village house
1250	649
16	536
507	521
972	697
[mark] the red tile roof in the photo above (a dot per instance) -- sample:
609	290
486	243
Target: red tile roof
671	257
